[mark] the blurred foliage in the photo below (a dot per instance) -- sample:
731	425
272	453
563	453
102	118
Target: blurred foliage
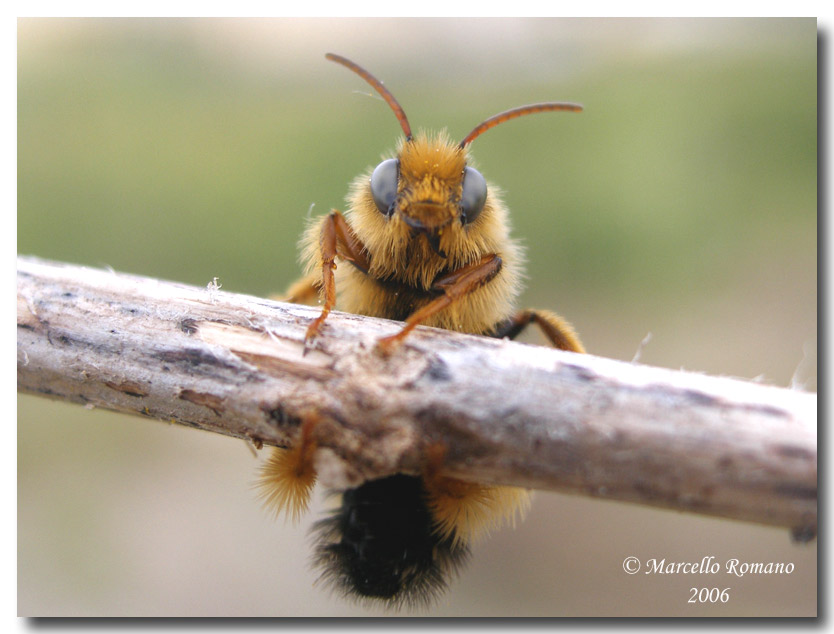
139	153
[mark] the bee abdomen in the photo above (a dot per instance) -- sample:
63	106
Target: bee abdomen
383	544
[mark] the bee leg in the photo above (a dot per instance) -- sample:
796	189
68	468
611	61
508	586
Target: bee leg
303	291
453	285
286	479
336	238
464	511
560	333
446	497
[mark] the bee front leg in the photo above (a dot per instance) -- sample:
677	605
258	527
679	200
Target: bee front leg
453	285
560	333
335	239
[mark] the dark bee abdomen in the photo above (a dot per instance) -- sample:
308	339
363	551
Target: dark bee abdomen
381	544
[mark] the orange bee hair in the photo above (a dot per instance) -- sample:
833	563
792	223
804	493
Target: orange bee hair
467	511
424	239
286	480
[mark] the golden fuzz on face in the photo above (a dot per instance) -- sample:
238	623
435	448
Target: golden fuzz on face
431	156
431	177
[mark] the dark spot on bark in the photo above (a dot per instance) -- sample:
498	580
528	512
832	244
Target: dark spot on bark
446	430
438	371
581	373
796	491
699	398
128	387
211	401
792	451
193	357
279	417
188	326
768	410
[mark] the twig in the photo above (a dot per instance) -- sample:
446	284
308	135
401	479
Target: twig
506	412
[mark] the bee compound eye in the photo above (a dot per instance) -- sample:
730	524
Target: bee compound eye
384	185
473	196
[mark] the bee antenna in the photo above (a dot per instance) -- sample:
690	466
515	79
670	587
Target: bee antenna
501	117
382	90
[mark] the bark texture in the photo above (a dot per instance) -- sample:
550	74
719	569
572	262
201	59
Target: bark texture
505	412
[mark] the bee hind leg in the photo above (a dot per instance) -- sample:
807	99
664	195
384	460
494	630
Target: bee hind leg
286	480
462	511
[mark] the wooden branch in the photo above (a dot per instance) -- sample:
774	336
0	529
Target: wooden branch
506	412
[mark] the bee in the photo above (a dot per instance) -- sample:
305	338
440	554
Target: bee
424	240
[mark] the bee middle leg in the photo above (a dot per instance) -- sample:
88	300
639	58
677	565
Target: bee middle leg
303	291
560	333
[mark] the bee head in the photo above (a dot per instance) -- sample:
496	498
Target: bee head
429	187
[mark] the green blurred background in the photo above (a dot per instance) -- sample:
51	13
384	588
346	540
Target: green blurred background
681	203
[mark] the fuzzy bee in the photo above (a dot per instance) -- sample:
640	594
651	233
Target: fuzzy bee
424	240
